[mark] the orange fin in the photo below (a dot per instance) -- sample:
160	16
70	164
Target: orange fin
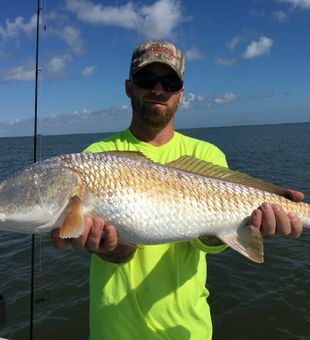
204	168
247	240
73	224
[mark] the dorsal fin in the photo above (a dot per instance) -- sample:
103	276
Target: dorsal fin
204	168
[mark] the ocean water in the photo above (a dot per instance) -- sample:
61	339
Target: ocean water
248	301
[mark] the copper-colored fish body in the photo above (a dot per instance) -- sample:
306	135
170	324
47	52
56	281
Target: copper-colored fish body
148	203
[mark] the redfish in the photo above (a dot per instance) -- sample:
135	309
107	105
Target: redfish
147	202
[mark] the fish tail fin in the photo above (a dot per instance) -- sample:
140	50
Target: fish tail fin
246	240
73	224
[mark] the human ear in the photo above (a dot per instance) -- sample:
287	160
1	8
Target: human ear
128	88
181	95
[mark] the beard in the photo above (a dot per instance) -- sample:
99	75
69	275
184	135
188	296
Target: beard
151	115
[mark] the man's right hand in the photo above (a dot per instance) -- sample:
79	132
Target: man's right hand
99	238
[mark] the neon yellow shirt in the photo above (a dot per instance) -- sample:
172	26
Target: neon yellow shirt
160	293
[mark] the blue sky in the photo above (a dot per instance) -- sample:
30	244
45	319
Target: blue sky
247	61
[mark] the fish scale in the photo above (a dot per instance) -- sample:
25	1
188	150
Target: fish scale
147	202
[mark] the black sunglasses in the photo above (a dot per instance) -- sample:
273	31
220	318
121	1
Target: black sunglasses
148	82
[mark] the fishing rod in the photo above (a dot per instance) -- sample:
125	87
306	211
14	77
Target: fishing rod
35	138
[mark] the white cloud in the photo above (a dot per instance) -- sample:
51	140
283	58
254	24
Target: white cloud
198	101
243	37
303	4
123	16
83	112
24	73
280	16
72	37
160	19
85	120
155	21
57	65
225	62
193	54
57	26
88	71
235	41
12	29
258	48
190	99
14	121
225	99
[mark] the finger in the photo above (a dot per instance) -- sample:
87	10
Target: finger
95	235
296	225
58	242
293	195
256	218
283	223
110	239
268	226
79	243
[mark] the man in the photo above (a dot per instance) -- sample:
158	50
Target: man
157	292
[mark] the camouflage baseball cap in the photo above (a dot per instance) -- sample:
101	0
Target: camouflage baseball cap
157	51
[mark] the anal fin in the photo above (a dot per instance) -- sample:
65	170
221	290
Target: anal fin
247	240
73	224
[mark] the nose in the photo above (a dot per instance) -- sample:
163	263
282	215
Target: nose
158	88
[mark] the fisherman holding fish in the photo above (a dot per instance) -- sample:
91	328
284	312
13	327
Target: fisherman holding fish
158	291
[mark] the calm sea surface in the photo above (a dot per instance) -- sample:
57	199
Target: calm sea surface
248	301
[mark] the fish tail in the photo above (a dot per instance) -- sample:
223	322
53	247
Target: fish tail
246	240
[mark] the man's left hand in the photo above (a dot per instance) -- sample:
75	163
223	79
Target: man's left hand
273	221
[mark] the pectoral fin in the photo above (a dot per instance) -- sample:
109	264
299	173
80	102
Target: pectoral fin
73	224
247	240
